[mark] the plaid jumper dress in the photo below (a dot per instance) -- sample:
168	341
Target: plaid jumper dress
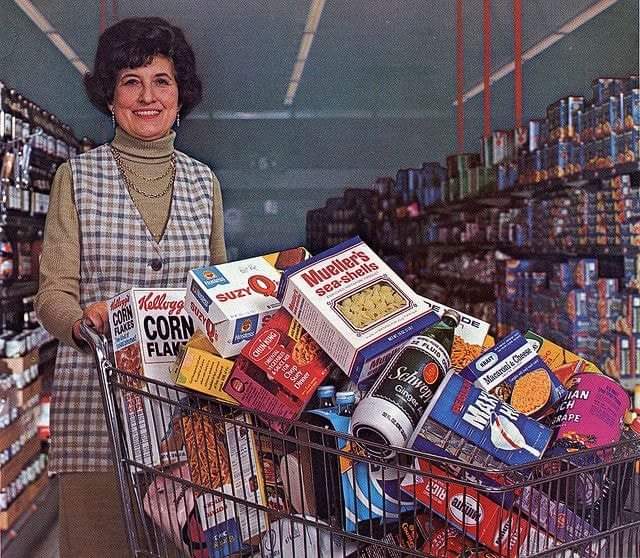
116	251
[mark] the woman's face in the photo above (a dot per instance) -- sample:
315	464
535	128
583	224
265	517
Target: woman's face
145	100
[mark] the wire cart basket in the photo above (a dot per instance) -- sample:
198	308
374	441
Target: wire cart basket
204	479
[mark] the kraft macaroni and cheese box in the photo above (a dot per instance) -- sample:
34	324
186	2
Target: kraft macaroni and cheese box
230	302
354	306
487	421
148	327
514	372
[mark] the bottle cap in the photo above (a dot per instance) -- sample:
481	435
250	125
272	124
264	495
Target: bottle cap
345	397
452	314
326	391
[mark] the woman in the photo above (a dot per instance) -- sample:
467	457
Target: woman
134	212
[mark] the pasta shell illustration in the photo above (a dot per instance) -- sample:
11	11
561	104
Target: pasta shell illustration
507	436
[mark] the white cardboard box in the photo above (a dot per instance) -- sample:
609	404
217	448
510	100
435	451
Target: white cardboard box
229	302
354	306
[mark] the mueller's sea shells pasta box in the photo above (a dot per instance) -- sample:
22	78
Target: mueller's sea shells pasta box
354	306
230	302
148	327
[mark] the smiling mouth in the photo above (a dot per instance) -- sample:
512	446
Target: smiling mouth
146	113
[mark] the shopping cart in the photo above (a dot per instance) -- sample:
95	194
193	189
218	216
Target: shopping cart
203	479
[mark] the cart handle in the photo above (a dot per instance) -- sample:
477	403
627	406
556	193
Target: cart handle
97	341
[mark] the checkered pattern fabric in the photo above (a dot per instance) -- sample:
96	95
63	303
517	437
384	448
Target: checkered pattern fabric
116	253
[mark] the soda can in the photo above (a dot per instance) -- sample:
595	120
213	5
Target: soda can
487	151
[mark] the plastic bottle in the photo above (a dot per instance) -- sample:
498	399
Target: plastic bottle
326	396
390	411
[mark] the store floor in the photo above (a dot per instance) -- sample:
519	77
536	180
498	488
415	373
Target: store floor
48	548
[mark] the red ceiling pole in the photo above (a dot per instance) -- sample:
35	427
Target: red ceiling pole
486	66
517	57
102	12
459	75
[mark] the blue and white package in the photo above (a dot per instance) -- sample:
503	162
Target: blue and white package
368	491
488	422
511	359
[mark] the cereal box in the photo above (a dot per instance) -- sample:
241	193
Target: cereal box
229	302
288	355
223	456
148	327
487	421
514	372
469	337
356	307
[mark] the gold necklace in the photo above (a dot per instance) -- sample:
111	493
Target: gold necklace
121	167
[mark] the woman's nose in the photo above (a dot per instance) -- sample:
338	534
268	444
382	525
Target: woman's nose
146	94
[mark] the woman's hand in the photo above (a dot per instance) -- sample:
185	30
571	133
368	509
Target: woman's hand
96	314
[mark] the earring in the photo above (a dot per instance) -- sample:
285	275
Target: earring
178	120
113	119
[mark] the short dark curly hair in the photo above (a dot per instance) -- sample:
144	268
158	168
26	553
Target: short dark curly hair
132	43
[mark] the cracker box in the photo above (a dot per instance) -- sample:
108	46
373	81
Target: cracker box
148	327
223	456
355	307
503	531
288	355
485	420
200	369
229	302
470	335
513	371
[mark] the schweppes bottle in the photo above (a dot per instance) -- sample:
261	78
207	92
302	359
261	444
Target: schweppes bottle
390	411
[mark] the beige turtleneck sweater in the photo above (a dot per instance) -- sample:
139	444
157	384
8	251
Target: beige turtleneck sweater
57	301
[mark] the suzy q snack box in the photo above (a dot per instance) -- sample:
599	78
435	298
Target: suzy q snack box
356	308
514	372
148	327
199	368
488	422
229	302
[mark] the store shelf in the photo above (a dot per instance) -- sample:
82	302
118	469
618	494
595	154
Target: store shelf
24	221
12	432
629	383
10	470
19	290
19	364
23	502
24	395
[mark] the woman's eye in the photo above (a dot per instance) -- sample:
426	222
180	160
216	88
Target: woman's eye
163	81
130	81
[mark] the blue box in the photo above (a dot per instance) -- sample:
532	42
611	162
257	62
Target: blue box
485	420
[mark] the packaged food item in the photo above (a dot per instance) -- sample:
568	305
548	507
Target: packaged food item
501	530
562	116
148	327
356	308
391	409
592	414
197	367
513	371
488	422
289	356
470	335
229	302
222	456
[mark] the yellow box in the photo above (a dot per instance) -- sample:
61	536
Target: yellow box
202	371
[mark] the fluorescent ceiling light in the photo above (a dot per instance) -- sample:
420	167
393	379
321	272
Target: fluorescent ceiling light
311	26
544	44
43	24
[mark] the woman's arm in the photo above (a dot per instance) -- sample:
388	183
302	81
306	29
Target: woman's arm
216	242
57	302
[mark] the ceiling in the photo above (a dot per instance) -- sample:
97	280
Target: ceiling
377	89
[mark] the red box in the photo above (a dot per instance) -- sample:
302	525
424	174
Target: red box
288	355
501	530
